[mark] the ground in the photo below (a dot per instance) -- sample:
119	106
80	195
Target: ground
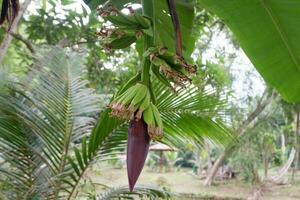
184	181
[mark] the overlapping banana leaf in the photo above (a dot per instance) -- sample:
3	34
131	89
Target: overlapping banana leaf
268	31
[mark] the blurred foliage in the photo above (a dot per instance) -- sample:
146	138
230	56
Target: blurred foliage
264	141
57	23
185	159
48	25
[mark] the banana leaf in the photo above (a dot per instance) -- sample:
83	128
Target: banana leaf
268	32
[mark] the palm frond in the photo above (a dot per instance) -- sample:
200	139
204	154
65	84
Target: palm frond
141	192
187	127
44	119
192	114
188	100
104	139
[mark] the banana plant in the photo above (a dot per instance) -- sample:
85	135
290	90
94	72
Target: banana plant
164	56
49	136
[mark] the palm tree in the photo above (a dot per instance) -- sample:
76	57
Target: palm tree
50	132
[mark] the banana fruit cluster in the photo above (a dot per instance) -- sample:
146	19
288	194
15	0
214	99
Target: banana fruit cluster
154	122
168	66
117	38
131	103
135	103
126	28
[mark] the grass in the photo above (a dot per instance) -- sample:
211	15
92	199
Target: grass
183	181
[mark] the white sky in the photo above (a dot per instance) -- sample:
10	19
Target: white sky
241	68
76	6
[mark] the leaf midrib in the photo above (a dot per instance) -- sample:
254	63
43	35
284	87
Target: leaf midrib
68	126
280	32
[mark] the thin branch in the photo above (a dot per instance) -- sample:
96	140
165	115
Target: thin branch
25	41
261	105
263	102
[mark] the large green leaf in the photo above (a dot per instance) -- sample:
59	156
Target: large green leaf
268	31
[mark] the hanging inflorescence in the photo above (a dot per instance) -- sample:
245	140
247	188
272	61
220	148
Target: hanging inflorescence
136	100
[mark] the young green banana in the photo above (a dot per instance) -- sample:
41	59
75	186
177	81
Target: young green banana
144	105
130	83
122	42
140	94
149	117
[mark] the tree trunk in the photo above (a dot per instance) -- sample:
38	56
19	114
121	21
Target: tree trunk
199	169
266	166
198	161
296	143
213	171
261	105
207	149
255	176
8	38
283	148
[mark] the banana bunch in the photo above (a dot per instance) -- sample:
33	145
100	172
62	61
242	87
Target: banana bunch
135	103
131	103
116	33
132	21
176	74
154	122
169	66
118	38
127	28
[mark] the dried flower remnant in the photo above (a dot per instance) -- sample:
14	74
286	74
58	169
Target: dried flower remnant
134	100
